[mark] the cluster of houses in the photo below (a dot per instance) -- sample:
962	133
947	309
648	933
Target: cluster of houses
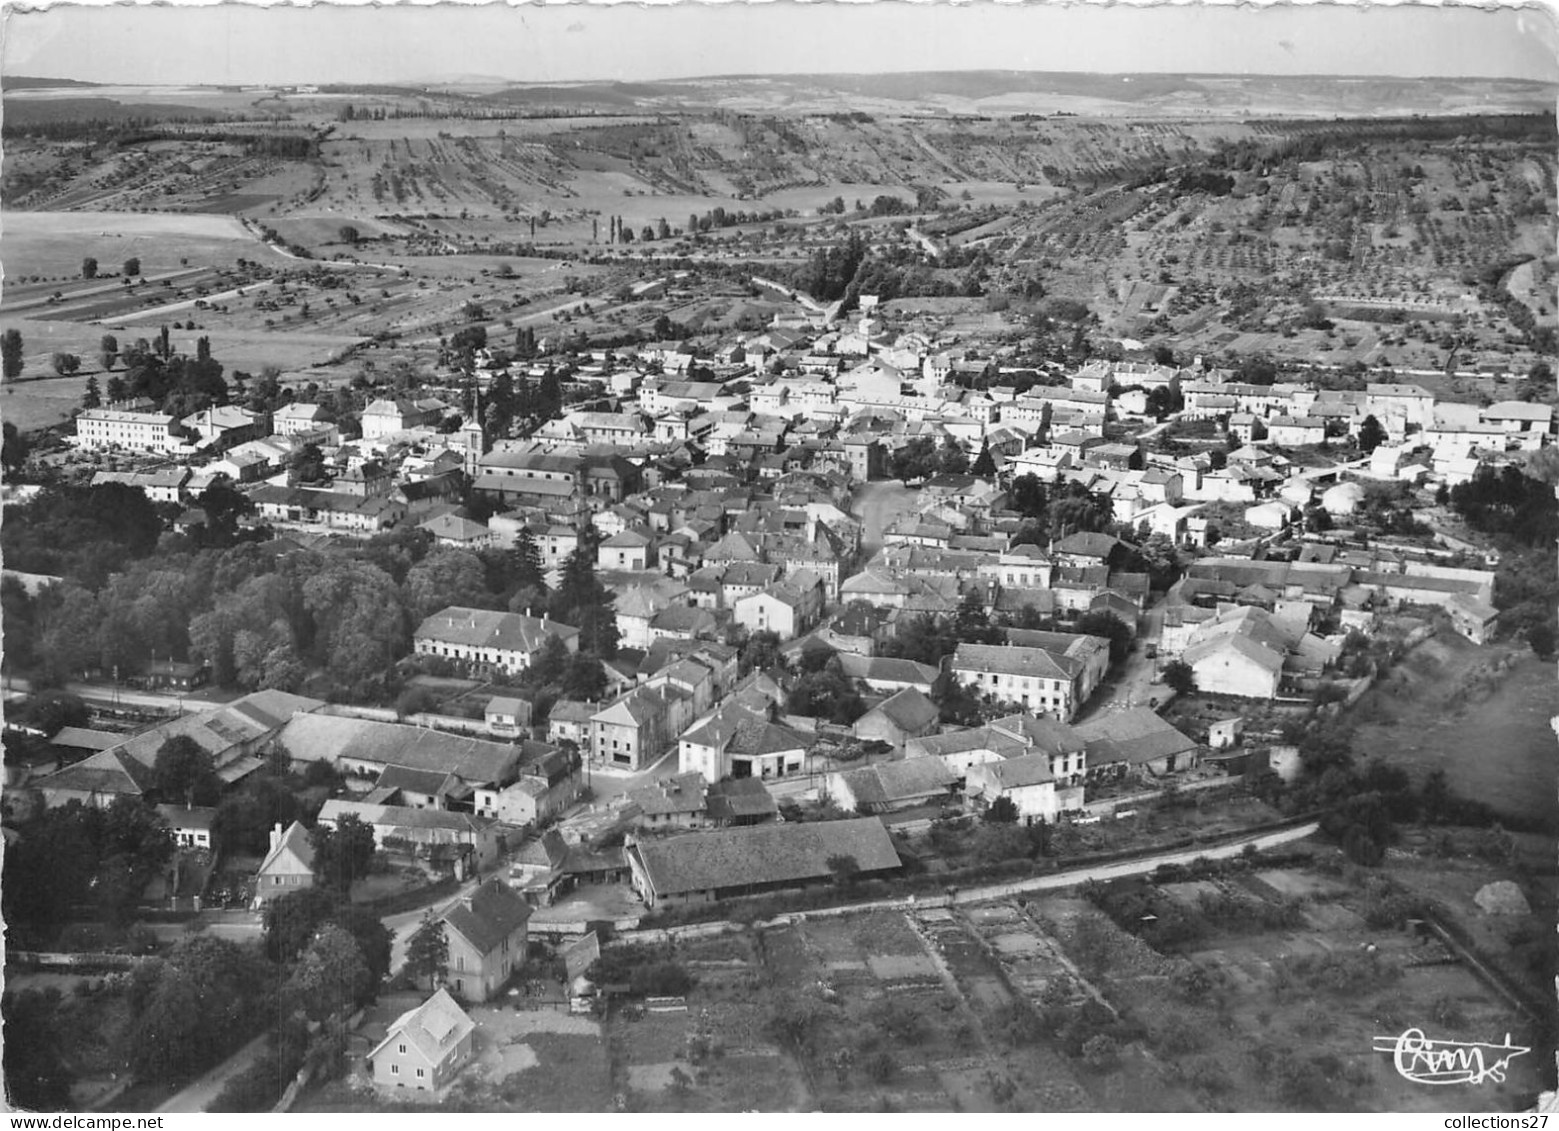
718	490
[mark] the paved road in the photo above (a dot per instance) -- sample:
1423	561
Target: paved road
404	925
1134	682
195	1097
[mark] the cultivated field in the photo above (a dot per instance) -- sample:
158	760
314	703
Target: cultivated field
53	244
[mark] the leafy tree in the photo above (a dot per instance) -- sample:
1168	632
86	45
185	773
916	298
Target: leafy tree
357	617
1509	503
244	818
972	624
1541	637
827	694
1002	811
1028	496
194	1007
1158	557
951	458
36	1078
89	268
1100	622
11	354
330	976
13	453
549	665
93	396
914	460
308	464
761	651
184	771
52	711
65	364
1179	677
924	639
584	678
1075	509
132	267
447	576
427	951
583	602
1371	435
348	234
343	854
530	586
844	868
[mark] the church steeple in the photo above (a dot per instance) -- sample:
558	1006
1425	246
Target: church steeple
472	437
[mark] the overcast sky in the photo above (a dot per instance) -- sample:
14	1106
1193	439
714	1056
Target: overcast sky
233	43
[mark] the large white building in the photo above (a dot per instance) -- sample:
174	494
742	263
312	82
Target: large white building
1040	681
489	639
122	428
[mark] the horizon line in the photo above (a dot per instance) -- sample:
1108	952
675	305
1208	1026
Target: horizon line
476	80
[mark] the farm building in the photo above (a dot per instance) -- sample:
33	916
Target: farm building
888	786
897	719
702	867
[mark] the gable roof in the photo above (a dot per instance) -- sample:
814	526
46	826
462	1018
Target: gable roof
763	854
889	669
1015	773
1136	735
490	914
434	1028
487	628
109	771
336	737
959	741
431	782
680	793
1010	660
293	849
892	782
909	710
740	797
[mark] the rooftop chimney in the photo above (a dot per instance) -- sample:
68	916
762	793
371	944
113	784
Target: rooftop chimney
275	835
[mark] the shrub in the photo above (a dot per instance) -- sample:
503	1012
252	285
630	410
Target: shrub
881	1067
1101	1053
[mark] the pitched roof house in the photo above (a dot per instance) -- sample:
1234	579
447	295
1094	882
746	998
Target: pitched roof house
902	716
287	867
887	786
424	1047
486	933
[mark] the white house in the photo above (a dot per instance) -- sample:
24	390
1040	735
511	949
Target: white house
1026	781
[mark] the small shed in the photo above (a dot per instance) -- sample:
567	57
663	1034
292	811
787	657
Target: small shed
1224	733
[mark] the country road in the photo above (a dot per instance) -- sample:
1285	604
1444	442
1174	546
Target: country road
201	1092
1073	877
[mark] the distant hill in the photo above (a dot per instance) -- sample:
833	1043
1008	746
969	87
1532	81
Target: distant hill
26	82
1008	92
